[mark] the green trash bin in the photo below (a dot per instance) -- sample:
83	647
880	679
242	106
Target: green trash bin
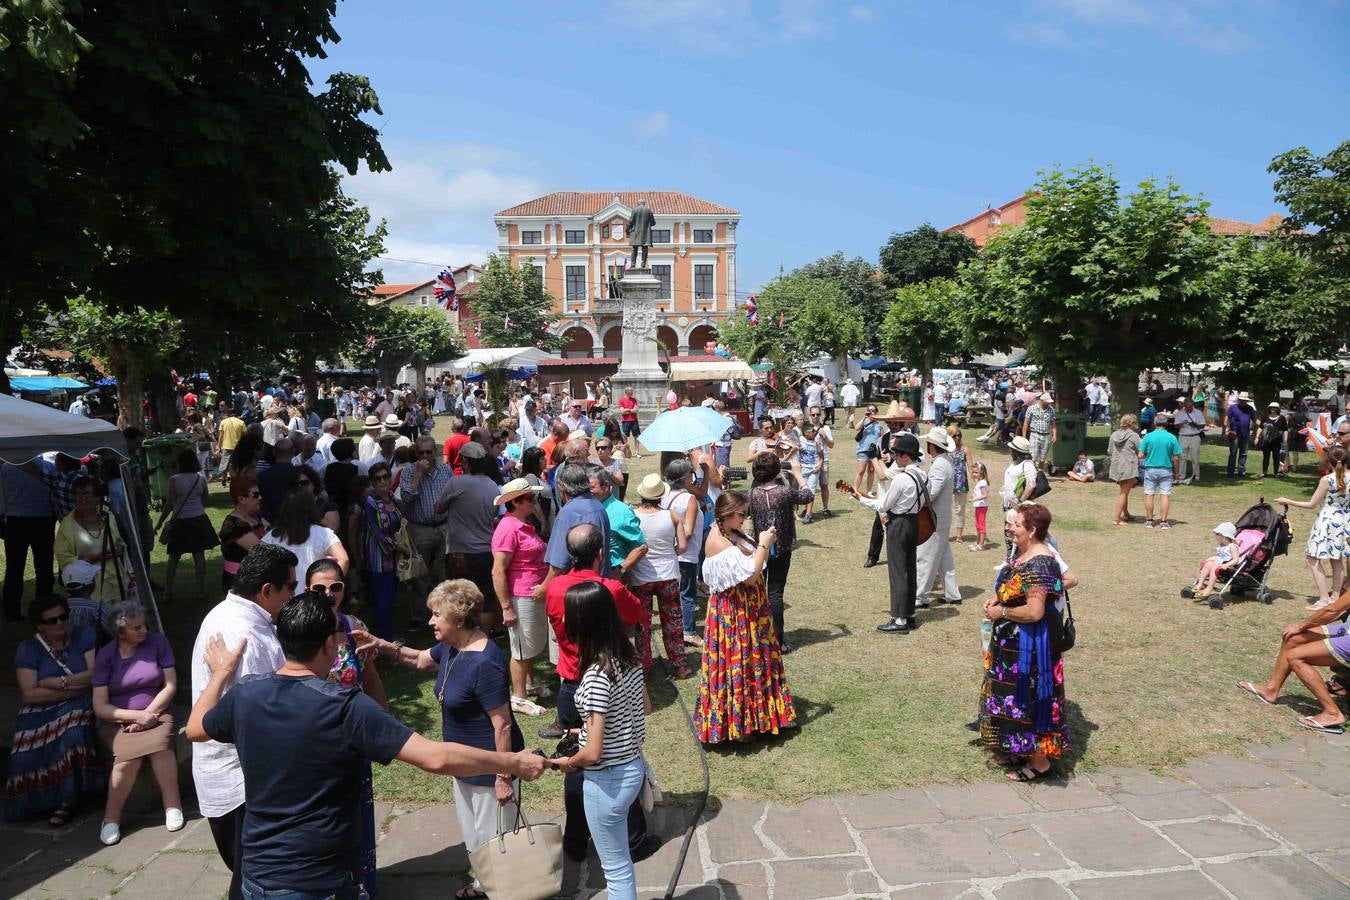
1072	433
911	395
161	462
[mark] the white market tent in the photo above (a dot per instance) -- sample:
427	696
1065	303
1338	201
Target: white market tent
495	358
700	370
30	429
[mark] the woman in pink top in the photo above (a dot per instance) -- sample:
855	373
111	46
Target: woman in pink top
518	567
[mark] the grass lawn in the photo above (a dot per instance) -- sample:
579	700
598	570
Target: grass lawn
1150	682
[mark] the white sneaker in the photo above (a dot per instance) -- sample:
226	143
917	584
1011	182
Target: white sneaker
110	833
173	818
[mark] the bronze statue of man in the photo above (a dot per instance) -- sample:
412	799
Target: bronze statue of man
640	233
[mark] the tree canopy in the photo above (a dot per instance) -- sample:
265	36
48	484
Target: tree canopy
924	253
799	318
406	336
921	326
862	285
513	308
1317	192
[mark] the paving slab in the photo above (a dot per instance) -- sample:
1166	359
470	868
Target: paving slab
17	846
196	837
1214	837
813	878
906	807
979	800
72	881
1026	846
1189	884
1109	841
1332	777
928	853
1032	889
745	880
1230	773
813	828
173	876
1187	803
1072	793
424	842
704	892
731	833
1306	818
656	869
946	891
1338	864
418	887
1260	878
1136	780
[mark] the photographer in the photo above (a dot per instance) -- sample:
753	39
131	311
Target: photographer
871	438
90	534
773	494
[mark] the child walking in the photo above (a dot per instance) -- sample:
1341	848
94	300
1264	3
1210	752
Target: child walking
979	499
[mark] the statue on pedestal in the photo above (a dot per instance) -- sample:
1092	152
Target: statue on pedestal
640	233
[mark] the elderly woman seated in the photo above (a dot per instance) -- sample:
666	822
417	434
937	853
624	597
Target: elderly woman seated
1322	640
134	683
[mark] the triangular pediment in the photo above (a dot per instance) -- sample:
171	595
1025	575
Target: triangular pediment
615	207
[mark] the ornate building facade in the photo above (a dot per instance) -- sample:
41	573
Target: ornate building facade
579	239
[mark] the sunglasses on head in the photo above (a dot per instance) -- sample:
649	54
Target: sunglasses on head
56	620
336	587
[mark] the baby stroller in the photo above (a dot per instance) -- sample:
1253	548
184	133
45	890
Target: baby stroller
1262	535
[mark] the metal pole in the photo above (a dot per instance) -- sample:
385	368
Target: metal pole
140	558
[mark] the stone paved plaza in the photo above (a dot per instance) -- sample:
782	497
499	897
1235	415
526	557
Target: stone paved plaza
1271	823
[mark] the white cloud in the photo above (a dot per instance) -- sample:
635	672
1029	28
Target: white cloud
654	125
439	202
1199	23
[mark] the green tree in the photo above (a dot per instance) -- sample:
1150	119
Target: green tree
862	285
921	327
1316	189
131	343
171	155
1279	314
513	307
1094	284
924	253
407	336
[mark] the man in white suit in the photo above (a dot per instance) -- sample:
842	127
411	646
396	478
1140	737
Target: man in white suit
935	555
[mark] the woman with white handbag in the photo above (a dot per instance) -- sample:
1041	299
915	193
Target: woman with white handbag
613	702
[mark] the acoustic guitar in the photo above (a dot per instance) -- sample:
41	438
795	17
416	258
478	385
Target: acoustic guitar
927	524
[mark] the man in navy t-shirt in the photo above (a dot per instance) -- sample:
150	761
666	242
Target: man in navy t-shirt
302	741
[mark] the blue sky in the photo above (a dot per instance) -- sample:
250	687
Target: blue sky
829	125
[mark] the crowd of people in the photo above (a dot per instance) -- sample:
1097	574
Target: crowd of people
515	537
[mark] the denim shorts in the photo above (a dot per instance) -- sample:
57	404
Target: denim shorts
1158	480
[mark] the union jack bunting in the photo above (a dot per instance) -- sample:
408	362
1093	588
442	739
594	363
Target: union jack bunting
370	342
751	310
445	290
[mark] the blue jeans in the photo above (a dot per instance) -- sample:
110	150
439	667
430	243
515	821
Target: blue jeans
689	594
607	794
383	587
253	891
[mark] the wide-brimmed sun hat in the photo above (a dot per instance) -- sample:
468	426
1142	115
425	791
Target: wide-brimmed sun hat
1020	444
1244	397
1046	397
372	421
939	437
514	488
392	421
652	487
1226	529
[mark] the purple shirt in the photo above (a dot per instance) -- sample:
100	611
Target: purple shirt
133	682
1240	420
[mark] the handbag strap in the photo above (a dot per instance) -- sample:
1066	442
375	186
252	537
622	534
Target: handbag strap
515	826
186	496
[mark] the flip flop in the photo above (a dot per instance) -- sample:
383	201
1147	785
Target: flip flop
1308	723
1028	773
1251	689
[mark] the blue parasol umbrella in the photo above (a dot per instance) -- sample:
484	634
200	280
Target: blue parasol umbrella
683	428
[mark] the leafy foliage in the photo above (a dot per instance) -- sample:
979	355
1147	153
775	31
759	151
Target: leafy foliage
407	336
815	315
922	327
1317	192
862	285
922	254
513	307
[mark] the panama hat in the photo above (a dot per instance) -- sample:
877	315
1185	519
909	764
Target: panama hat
652	487
514	488
1020	444
392	421
372	421
578	435
387	435
1244	397
939	437
1046	397
1274	404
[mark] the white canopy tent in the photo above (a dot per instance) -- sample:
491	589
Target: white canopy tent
495	357
30	429
721	370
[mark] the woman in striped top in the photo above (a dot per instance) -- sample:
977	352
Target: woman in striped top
612	701
380	524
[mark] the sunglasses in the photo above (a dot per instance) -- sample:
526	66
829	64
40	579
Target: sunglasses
604	446
336	587
64	617
384	477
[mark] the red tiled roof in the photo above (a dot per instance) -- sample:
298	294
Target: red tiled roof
1269	225
390	291
588	203
986	212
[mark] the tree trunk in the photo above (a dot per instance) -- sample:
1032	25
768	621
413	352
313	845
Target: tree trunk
1124	392
309	377
1065	385
163	402
9	333
389	375
420	378
130	392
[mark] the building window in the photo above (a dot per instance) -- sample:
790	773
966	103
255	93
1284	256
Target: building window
536	269
703	235
531	237
576	283
424	301
703	281
660	235
574	237
604	232
662	274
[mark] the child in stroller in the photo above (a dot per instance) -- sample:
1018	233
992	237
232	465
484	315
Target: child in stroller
1261	535
1224	554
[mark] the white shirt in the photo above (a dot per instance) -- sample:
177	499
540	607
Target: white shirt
1190	423
902	493
812	395
323	447
368	450
215	767
849	394
79	407
1010	476
315	546
679	502
1094	393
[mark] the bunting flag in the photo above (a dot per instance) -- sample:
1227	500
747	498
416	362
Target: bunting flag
370	342
445	290
751	310
506	323
478	329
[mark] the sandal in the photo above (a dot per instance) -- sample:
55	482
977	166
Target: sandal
61	816
1337	686
1251	689
1311	724
1028	773
526	707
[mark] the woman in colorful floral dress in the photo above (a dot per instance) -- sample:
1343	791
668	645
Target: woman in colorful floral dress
742	688
352	669
1022	715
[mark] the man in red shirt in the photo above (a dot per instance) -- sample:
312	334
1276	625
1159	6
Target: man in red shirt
454	442
628	421
585	544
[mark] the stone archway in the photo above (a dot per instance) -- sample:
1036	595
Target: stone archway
700	335
669	339
578	342
612	341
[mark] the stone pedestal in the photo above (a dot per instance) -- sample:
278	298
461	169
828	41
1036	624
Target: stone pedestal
640	368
